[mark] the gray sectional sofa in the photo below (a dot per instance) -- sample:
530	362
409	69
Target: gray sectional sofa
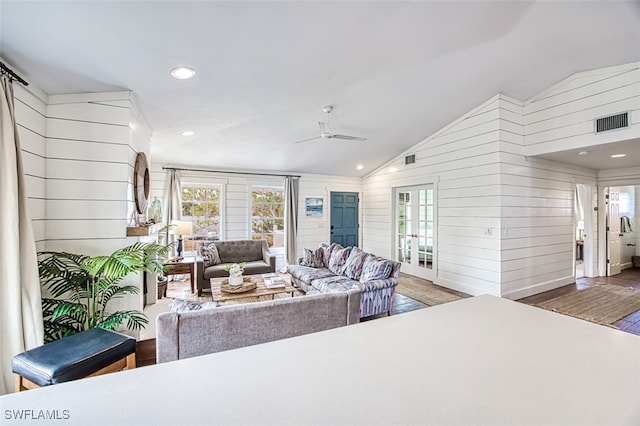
192	333
333	268
254	253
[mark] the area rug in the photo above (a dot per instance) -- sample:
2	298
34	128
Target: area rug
603	304
429	294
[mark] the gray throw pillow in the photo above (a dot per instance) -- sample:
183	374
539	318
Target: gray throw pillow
210	255
313	258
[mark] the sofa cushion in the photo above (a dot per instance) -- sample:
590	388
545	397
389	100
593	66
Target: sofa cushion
307	273
375	268
313	258
353	266
209	255
250	268
334	284
338	259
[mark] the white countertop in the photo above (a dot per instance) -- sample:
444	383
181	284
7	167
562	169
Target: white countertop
477	361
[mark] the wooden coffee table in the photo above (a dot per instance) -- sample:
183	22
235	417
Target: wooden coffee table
260	290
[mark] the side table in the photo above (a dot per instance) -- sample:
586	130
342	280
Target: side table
184	266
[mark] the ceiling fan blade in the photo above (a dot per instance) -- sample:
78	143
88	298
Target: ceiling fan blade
307	140
348	138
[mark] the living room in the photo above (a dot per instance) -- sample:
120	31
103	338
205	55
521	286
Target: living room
502	159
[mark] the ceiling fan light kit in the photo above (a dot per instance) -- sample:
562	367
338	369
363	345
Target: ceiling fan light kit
326	133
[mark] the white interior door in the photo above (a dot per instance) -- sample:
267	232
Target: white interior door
415	230
613	232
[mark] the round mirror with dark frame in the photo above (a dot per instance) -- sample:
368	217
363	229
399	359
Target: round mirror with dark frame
141	183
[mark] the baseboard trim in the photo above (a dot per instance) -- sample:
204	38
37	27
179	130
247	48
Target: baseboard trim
538	288
452	285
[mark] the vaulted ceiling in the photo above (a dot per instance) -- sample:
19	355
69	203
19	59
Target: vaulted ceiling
394	71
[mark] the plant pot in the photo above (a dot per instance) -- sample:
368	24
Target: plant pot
162	286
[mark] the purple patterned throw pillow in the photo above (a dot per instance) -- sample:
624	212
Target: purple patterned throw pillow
338	259
375	268
326	251
353	266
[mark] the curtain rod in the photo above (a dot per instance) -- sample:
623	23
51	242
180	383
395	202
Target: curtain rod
12	75
234	173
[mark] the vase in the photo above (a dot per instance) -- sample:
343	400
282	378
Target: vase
235	279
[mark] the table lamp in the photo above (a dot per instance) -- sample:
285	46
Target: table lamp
182	227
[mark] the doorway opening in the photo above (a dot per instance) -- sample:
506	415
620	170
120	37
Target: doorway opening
583	223
620	226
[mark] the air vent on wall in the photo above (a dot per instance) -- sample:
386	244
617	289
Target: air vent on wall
410	159
612	122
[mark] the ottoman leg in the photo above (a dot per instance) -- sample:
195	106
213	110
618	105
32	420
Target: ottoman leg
23	384
131	361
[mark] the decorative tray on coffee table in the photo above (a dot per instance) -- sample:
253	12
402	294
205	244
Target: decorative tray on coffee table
247	285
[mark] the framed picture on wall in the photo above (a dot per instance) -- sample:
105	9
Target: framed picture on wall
313	206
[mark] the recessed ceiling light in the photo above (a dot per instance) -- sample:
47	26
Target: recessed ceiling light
183	73
359	167
583	152
188	133
618	155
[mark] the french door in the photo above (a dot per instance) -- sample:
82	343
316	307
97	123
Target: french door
415	242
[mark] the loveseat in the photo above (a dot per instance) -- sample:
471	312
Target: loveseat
219	254
333	268
199	332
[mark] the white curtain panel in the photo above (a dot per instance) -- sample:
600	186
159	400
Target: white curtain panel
291	185
21	325
172	199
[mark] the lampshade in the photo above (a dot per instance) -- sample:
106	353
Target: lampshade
182	227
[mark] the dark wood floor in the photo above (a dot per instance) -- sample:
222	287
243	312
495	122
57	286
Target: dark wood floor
627	278
145	351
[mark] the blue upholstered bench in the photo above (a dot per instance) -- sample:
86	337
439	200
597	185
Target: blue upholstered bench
88	353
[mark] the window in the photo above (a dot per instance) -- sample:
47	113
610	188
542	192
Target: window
267	215
201	206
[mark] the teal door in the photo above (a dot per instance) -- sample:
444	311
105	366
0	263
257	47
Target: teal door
344	218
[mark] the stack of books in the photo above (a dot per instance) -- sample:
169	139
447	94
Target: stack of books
273	281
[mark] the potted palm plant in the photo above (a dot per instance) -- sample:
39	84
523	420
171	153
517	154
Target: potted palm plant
81	287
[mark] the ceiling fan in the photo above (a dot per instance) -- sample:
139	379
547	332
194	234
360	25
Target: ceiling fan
326	133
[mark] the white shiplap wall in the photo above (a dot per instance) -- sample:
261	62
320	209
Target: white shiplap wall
315	230
237	201
91	144
89	160
505	221
30	107
561	118
464	159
